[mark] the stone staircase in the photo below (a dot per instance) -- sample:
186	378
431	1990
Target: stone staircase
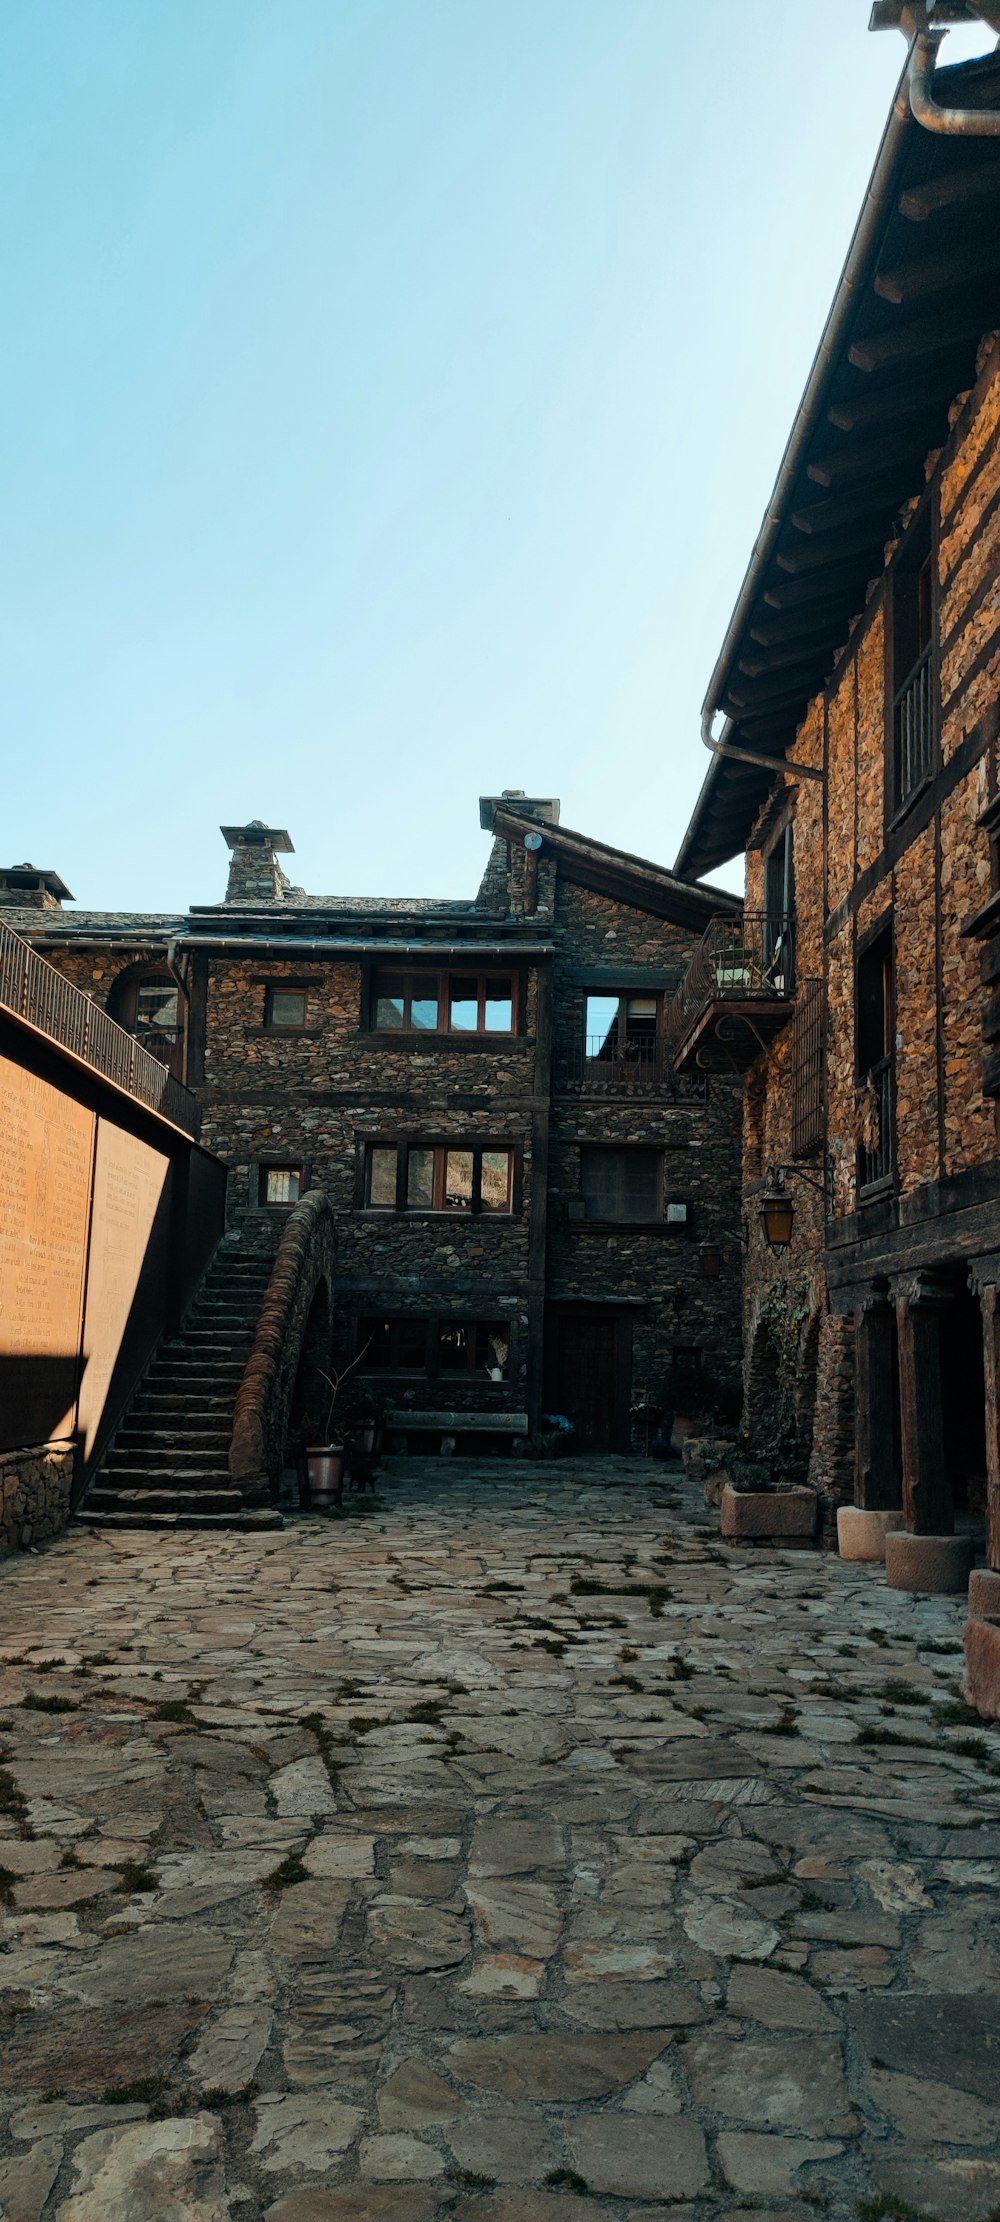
167	1466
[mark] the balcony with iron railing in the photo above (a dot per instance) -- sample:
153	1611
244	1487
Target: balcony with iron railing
32	990
626	1065
737	992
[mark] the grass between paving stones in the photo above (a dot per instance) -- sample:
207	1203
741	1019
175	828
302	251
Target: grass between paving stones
656	1595
290	1871
468	2180
33	1704
566	2179
7	1881
885	2207
12	1805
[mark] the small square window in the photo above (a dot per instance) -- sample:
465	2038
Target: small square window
285	1008
280	1184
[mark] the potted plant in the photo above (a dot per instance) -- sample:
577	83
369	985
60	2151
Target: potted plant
325	1459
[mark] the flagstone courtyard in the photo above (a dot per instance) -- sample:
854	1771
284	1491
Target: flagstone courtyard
509	1851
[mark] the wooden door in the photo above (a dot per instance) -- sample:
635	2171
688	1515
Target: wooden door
591	1375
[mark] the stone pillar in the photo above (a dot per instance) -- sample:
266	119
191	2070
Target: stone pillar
927	1499
984	1279
877	1481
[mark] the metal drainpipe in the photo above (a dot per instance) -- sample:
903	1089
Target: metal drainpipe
956	123
750	755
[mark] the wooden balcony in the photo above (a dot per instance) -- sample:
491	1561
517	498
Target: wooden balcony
737	993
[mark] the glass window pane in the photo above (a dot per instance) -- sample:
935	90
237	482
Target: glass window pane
496	1180
389	1011
156	1003
602	1025
424	1014
458	1180
499	1010
282	1184
286	1007
492	1347
382	1178
465	1006
411	1344
420	1180
374	1342
453	1346
640	1016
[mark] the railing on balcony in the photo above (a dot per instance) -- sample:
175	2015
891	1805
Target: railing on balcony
739	960
626	1064
165	1043
913	728
876	1126
33	990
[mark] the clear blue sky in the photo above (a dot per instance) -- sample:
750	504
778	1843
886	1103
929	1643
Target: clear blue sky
391	390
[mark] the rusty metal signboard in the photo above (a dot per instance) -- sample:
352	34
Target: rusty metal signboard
46	1154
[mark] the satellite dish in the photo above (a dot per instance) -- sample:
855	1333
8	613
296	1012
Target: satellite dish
532	840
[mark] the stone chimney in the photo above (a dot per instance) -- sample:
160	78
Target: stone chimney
544	809
255	876
24	887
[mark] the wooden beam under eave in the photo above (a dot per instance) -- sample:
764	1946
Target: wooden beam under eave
843	578
751	693
888	404
817	554
862	462
941	273
816	620
909	343
759	667
869	498
954	190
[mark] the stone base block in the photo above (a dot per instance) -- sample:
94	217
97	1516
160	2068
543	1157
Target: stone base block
756	1515
981	1681
933	1564
861	1534
984	1594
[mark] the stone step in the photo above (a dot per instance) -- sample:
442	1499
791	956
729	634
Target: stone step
181	1457
105	1498
182	1428
241	1523
120	1475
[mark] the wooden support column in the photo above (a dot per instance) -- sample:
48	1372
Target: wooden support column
984	1279
927	1498
877	1480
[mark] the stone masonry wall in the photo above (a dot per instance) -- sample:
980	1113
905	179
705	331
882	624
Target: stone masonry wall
930	882
35	1486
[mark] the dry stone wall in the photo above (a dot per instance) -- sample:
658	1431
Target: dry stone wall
35	1487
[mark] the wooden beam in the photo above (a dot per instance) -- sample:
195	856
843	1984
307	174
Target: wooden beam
941	273
817	619
819	638
908	343
814	555
869	498
848	578
788	687
888	404
954	190
859	461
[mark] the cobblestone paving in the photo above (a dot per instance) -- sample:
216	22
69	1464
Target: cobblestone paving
513	1853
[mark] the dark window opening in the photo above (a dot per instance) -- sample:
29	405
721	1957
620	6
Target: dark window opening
624	1184
432	1347
911	643
779	913
875	1050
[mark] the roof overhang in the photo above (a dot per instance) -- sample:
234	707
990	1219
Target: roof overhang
920	287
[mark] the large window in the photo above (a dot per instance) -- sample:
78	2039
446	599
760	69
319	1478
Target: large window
443	1002
625	1184
911	648
622	1029
439	1176
436	1346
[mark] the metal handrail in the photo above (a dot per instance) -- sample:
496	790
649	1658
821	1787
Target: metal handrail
913	727
877	1122
737	960
606	1065
33	990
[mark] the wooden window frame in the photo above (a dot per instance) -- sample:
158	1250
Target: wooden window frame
922	526
439	982
285	987
433	1323
625	996
622	1150
266	1165
440	1145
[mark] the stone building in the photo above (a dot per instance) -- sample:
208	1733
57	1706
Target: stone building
534	1214
858	770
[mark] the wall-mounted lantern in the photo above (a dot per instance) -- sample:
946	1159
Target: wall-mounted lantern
777	1206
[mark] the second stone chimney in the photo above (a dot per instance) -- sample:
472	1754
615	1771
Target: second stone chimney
255	876
24	887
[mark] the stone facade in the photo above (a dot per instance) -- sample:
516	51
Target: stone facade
560	918
35	1487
